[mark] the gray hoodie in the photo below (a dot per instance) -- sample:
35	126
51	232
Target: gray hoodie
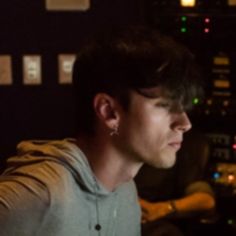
50	190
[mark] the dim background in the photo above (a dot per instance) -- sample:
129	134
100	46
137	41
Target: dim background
47	111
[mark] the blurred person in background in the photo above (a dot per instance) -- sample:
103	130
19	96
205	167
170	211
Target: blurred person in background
174	199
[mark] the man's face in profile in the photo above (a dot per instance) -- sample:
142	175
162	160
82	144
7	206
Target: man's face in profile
151	131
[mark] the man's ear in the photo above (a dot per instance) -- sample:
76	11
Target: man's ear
107	110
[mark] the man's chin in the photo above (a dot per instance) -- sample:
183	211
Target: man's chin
168	165
164	162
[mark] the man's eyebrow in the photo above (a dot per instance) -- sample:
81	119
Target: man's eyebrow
149	94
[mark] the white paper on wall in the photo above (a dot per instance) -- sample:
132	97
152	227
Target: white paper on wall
232	2
67	5
5	70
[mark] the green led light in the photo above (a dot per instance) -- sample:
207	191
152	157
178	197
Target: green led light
195	101
183	18
230	221
183	29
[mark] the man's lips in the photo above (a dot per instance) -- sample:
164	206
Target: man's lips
175	145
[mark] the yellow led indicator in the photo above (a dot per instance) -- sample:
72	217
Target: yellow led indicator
187	3
221	60
221	83
232	2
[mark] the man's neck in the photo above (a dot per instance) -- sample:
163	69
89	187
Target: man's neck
109	166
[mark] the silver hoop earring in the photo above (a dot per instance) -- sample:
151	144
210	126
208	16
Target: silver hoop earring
114	131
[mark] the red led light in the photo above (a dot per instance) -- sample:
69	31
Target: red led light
207	20
234	146
206	30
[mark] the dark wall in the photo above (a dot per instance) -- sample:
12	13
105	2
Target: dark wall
47	111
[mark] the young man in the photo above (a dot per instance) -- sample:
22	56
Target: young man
132	88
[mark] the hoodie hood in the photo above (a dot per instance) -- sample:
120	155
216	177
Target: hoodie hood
64	152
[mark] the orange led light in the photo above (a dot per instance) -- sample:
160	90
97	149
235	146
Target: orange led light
231	178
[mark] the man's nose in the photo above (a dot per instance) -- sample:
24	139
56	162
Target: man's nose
182	122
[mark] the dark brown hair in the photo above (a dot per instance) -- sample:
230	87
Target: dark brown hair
132	58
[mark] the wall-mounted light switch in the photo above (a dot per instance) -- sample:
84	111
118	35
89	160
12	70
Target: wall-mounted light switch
32	70
66	62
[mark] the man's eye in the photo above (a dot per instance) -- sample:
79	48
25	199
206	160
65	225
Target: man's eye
164	104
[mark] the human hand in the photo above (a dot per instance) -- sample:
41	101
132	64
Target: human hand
154	211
